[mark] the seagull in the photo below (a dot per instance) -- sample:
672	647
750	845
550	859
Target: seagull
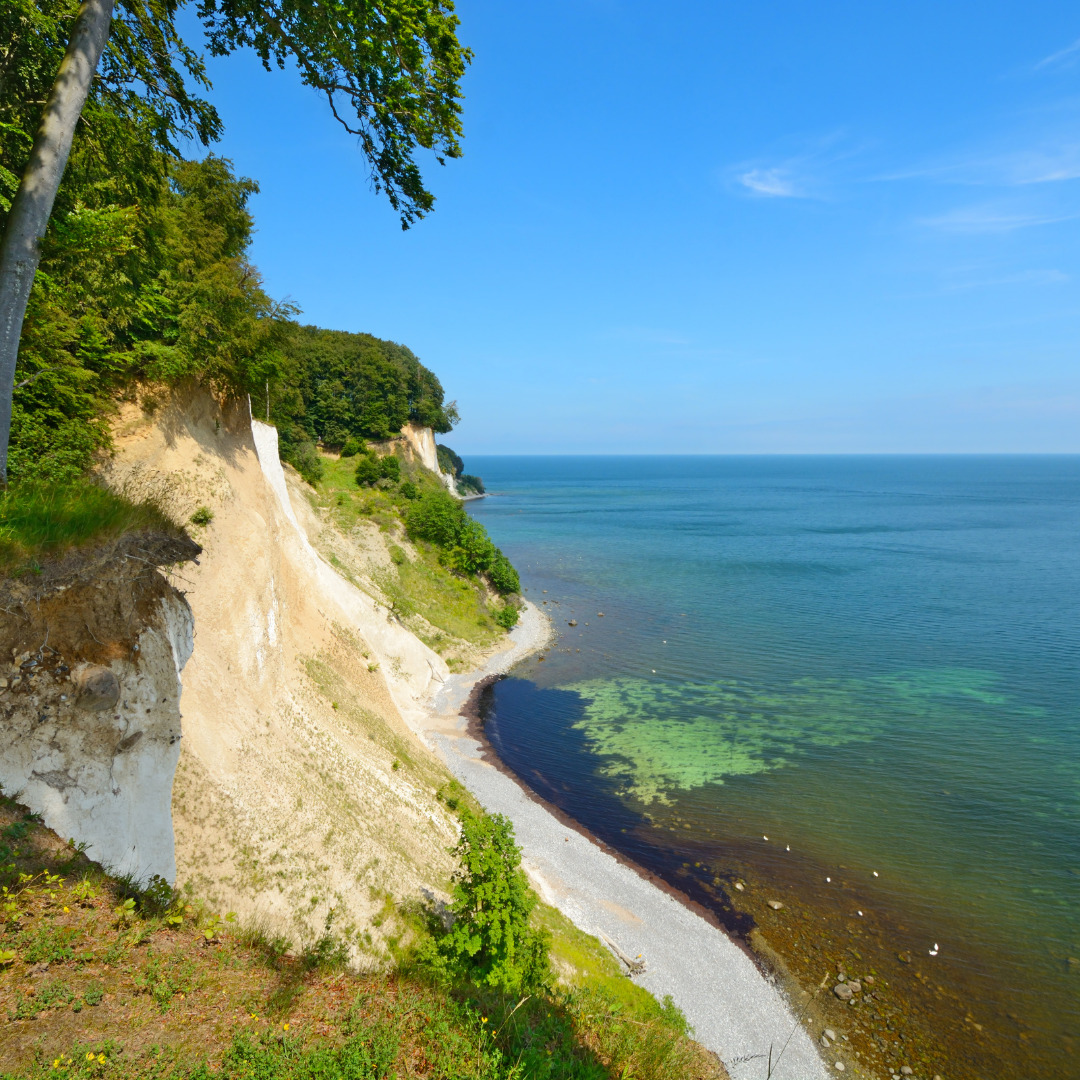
764	838
875	873
788	848
934	950
828	879
860	913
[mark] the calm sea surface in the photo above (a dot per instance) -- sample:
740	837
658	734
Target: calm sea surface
874	662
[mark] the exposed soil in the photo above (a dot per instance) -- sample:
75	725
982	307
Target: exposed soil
89	604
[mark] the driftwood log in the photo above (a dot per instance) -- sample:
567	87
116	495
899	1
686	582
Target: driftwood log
633	967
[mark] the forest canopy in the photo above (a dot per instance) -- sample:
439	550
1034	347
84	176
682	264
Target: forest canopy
151	288
342	385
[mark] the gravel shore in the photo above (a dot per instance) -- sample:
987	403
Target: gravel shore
735	1010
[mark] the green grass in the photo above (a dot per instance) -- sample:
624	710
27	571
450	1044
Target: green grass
38	520
455	606
145	994
586	964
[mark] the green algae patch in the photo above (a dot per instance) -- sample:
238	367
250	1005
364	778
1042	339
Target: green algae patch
657	738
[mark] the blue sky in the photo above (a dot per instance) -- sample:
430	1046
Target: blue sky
713	227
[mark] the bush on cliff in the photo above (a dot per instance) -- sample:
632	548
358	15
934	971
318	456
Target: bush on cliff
464	544
490	941
370	468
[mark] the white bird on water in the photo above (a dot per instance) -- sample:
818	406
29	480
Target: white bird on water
934	950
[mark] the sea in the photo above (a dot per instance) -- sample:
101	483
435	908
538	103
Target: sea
852	683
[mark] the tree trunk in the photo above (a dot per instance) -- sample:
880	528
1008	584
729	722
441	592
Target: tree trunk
20	249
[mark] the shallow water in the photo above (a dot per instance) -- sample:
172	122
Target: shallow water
871	661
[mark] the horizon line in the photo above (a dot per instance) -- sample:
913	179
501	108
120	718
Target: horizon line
778	453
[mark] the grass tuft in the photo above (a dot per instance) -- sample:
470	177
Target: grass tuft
39	520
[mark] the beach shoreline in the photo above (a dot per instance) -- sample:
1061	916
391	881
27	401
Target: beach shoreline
736	1006
895	1003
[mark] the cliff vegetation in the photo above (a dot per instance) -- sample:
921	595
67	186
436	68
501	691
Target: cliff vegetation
100	979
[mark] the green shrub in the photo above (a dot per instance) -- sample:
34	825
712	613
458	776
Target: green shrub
390	468
203	516
466	482
352	447
306	459
409	490
504	578
472	551
466	547
491	941
367	470
370	468
507	617
437	517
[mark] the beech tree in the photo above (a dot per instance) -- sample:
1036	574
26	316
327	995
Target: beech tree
390	71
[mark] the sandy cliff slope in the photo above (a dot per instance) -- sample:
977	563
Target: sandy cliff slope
301	798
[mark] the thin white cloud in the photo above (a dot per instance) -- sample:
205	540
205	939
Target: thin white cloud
807	173
1067	56
1049	164
772	183
1045	166
1025	277
990	218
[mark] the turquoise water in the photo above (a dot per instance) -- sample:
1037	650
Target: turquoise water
875	662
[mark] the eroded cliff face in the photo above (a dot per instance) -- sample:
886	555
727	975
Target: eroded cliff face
302	799
295	790
421	440
91	654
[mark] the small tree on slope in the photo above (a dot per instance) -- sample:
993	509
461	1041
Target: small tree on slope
491	940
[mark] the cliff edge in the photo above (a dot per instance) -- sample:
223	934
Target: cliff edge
302	800
91	652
